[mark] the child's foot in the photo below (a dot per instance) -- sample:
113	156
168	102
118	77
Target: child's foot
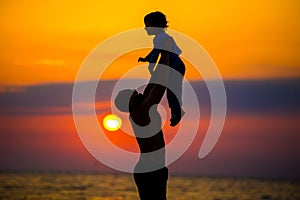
175	119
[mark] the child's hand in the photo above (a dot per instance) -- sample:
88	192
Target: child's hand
141	59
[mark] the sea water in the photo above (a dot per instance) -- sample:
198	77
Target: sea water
95	186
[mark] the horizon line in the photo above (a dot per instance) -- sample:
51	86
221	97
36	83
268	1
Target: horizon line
3	86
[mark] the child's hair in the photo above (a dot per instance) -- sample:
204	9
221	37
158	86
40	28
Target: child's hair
156	19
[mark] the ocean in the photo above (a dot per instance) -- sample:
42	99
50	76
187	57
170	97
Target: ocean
97	186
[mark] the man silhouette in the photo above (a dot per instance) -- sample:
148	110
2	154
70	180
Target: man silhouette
150	173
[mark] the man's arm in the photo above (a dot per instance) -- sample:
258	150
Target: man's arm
141	115
162	77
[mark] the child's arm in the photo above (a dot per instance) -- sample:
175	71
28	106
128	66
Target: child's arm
152	58
141	59
150	66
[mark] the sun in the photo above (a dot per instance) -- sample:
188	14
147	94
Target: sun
112	122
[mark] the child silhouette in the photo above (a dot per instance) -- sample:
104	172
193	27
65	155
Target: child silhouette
155	24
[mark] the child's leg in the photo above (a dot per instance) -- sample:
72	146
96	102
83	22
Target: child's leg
174	101
174	92
174	97
175	105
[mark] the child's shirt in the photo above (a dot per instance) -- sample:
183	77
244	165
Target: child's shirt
158	42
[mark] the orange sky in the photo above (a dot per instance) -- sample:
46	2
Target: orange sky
46	41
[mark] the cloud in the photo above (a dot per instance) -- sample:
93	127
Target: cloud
49	62
264	95
249	96
40	62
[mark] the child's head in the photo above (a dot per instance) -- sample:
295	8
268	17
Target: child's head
156	19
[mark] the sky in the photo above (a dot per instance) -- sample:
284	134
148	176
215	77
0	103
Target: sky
46	41
255	45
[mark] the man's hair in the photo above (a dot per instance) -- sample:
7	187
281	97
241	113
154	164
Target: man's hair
156	19
122	100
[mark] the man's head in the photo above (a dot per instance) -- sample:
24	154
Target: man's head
123	99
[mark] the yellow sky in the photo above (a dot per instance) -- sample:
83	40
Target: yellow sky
46	41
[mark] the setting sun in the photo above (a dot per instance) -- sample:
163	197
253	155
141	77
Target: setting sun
112	122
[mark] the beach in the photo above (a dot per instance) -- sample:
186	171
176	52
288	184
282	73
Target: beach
98	186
